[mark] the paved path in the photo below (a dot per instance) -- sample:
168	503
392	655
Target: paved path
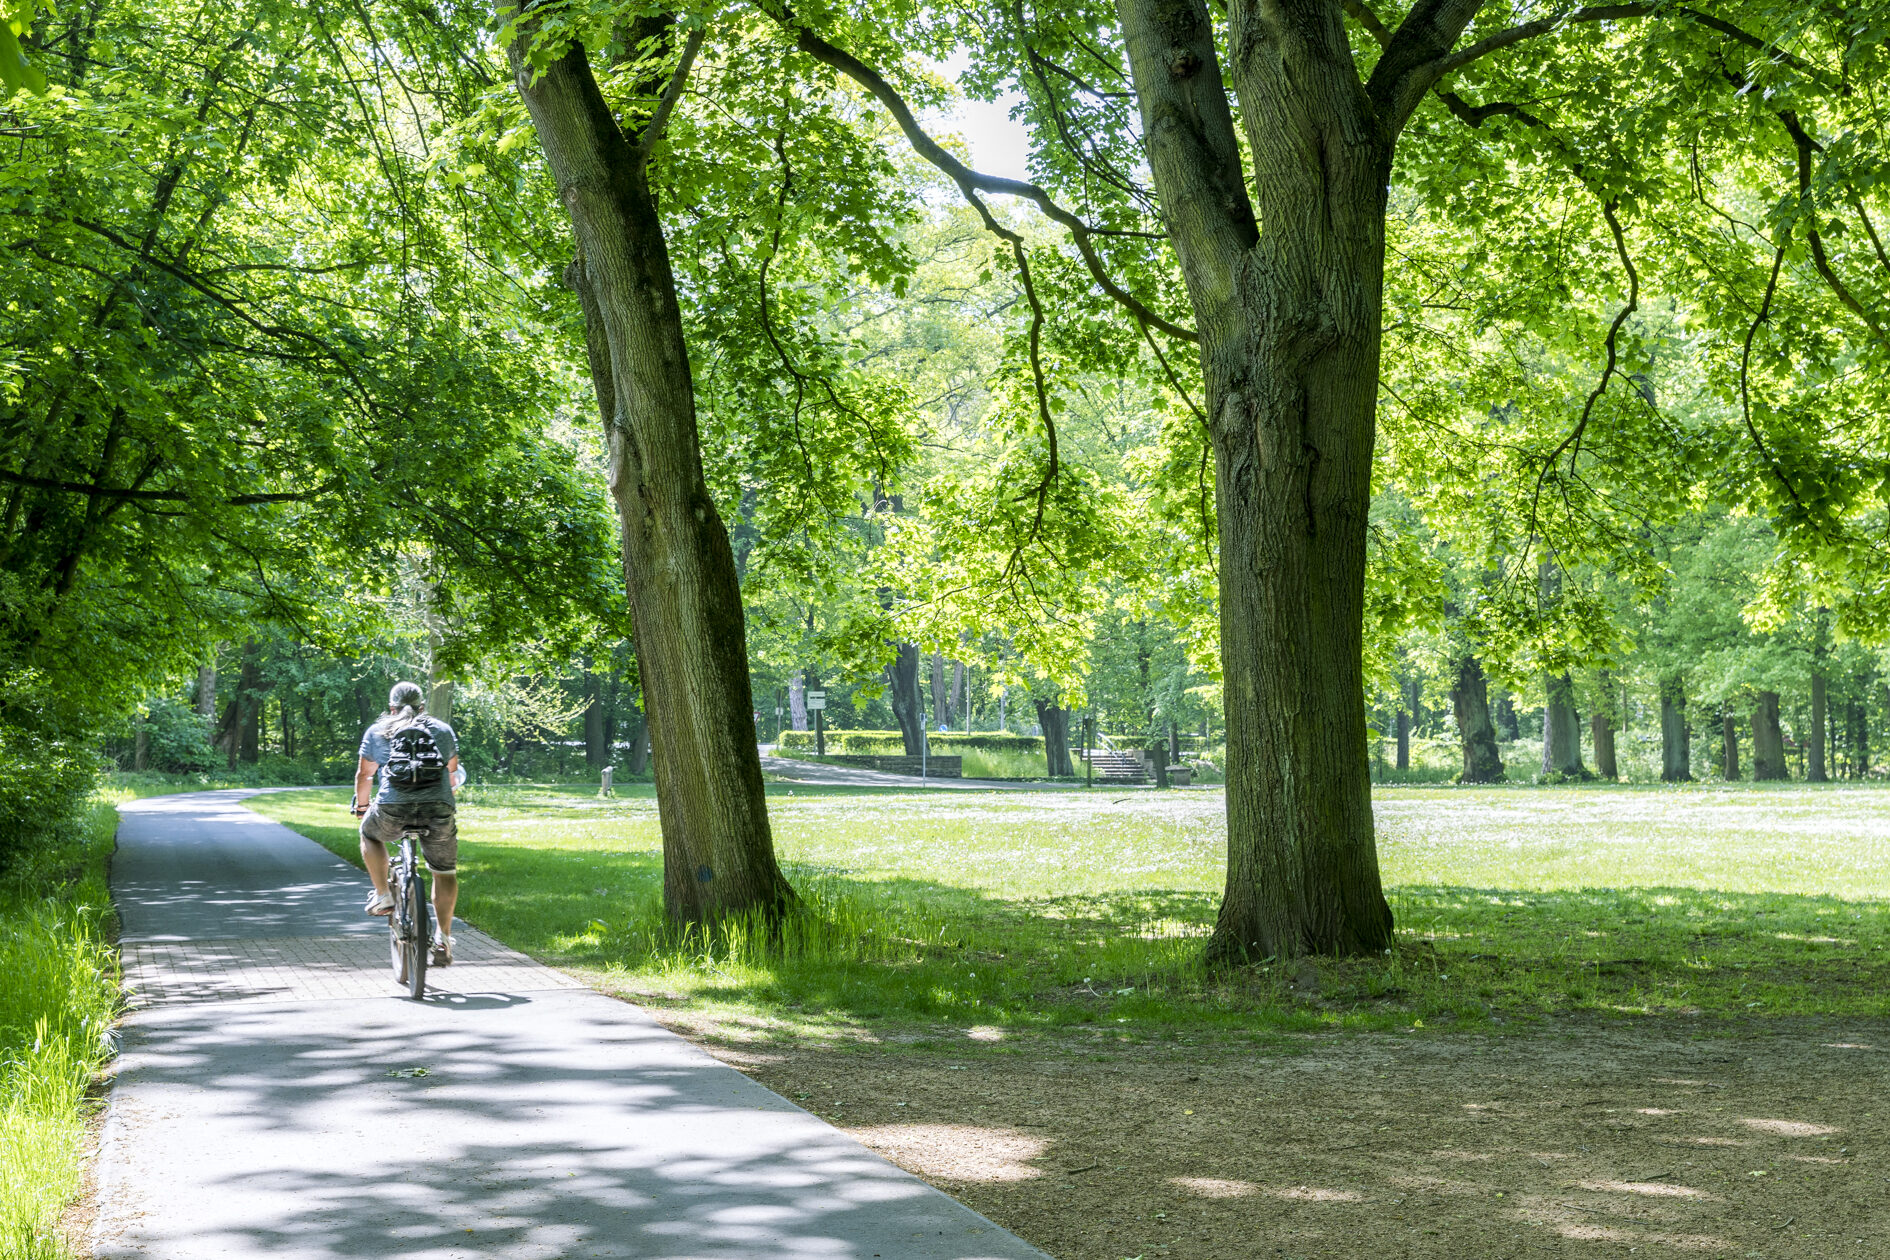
267	1102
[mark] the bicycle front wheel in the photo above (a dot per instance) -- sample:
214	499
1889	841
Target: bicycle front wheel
418	938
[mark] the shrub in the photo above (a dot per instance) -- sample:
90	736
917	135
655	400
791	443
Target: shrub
942	742
44	784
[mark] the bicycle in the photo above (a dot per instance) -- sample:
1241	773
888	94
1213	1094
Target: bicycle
409	923
409	927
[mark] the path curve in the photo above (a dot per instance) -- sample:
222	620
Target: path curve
266	1104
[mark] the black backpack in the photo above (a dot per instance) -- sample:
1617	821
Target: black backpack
414	760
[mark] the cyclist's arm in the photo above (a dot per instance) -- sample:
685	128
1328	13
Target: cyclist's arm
452	776
364	784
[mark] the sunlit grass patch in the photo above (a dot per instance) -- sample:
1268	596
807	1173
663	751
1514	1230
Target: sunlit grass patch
1082	914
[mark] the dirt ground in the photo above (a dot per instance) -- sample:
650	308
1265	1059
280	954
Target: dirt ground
1591	1140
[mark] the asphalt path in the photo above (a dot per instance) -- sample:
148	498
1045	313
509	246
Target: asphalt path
275	1096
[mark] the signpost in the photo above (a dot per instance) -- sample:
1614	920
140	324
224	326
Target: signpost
817	705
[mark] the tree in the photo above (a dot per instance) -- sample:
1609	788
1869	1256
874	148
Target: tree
1470	703
685	597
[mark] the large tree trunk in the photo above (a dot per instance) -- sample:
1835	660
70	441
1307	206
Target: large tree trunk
685	599
1470	702
1601	726
1402	725
797	702
1676	749
1815	772
958	705
1290	323
206	697
249	700
1728	746
1768	741
902	692
1055	721
1561	731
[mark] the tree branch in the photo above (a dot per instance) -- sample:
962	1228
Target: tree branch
653	130
127	493
971	182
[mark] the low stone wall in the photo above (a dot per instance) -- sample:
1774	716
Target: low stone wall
936	767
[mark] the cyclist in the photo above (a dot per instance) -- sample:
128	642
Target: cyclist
417	758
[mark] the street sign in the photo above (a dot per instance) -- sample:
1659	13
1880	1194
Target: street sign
815	706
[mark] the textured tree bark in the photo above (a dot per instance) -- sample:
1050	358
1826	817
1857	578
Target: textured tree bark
1470	702
1055	721
685	600
1728	746
1290	322
1815	773
1768	741
1561	731
249	700
797	702
1402	725
1676	751
902	692
1601	728
206	697
959	708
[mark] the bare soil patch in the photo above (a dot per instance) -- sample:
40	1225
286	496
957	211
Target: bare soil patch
1589	1140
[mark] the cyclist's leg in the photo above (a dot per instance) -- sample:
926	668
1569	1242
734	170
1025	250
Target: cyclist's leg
374	831
441	849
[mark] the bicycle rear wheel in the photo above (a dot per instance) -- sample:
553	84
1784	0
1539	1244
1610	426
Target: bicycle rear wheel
418	938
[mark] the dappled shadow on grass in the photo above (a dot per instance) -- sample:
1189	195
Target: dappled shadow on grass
903	957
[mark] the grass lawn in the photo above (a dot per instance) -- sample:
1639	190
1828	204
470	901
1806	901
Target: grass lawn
1010	917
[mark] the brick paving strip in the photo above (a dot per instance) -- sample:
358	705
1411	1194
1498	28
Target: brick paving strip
313	968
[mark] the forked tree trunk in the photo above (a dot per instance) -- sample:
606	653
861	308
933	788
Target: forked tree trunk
1815	773
685	601
1055	721
1470	702
902	692
1728	746
1676	751
1768	741
1290	323
1561	731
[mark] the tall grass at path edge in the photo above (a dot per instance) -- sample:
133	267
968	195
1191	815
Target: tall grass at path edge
58	998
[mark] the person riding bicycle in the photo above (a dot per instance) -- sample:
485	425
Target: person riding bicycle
417	758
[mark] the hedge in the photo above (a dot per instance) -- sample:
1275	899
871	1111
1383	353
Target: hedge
943	742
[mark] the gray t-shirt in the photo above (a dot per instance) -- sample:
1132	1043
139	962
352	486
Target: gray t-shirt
376	747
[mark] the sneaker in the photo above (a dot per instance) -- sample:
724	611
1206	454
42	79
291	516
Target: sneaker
442	955
380	903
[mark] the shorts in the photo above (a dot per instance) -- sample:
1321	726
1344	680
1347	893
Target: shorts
440	846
